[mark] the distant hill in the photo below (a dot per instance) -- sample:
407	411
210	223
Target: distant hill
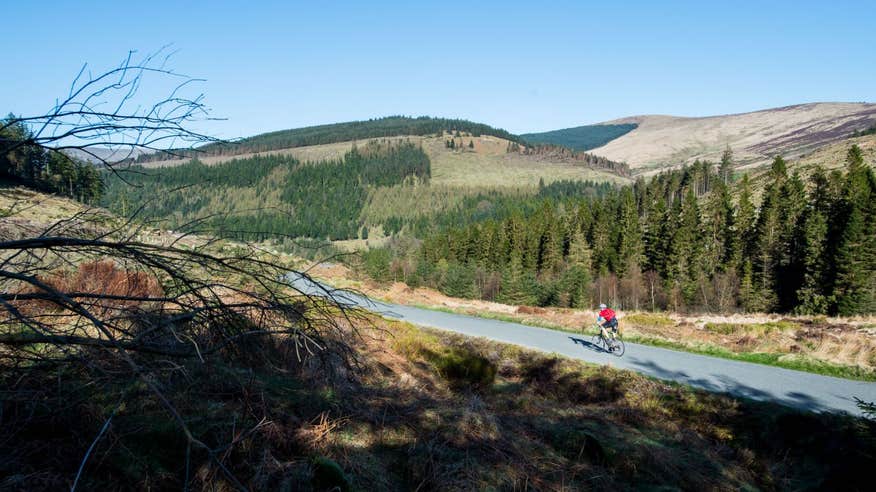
638	144
829	157
661	141
391	126
581	137
96	155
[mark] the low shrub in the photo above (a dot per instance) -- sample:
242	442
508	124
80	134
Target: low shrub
328	475
579	445
546	375
463	368
531	310
102	277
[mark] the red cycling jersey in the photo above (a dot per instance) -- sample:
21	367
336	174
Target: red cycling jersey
607	314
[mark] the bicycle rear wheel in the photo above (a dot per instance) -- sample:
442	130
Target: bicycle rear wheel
619	347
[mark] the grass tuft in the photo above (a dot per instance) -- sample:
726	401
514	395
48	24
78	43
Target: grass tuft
328	475
465	369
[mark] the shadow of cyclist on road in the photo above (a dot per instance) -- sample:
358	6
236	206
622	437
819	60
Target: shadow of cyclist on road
588	345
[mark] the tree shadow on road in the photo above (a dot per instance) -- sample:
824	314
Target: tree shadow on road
720	383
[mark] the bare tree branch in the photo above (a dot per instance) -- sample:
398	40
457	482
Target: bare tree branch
104	118
108	298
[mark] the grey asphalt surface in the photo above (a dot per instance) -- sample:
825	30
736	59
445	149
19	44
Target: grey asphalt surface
797	389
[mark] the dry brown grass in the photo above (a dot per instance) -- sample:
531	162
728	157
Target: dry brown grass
105	277
101	286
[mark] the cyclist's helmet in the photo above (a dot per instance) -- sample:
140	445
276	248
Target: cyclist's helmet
602	306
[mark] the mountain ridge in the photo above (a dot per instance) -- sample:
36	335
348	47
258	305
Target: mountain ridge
664	141
648	143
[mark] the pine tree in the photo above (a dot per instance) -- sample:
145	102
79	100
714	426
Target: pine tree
517	288
790	265
743	224
551	245
630	249
767	241
855	286
656	234
577	278
691	245
813	233
717	229
747	298
725	168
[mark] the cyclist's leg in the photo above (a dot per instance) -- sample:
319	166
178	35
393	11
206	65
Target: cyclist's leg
614	329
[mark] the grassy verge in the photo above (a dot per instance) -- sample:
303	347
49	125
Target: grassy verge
786	361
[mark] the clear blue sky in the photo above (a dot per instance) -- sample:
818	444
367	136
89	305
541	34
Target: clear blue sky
523	66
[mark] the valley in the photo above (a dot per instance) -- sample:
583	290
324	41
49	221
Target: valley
445	408
438	247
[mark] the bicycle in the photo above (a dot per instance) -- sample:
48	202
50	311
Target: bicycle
611	344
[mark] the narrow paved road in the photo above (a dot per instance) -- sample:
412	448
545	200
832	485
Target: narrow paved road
793	388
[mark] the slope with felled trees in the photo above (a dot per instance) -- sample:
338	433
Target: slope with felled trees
390	126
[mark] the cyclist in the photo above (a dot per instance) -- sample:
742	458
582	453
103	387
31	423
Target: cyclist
607	319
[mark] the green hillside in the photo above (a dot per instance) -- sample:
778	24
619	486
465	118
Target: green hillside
581	137
267	196
389	126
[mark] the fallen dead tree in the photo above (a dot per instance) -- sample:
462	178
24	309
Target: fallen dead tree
130	313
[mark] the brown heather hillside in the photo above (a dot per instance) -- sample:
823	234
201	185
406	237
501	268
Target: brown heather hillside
669	141
831	157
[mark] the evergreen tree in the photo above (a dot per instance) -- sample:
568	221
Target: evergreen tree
855	286
725	168
30	165
630	249
812	297
767	240
744	224
790	265
717	229
747	298
656	234
517	286
687	242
